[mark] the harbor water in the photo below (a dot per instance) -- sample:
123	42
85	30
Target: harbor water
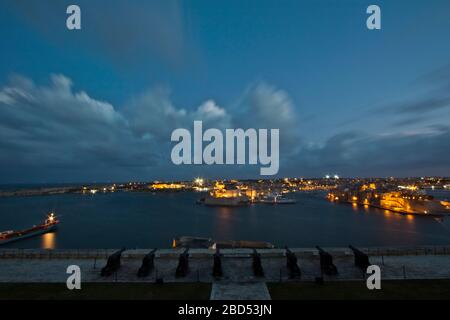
148	220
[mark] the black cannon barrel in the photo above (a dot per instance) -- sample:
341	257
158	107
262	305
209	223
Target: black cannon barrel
183	264
326	262
258	270
113	263
147	264
291	263
217	267
320	249
361	259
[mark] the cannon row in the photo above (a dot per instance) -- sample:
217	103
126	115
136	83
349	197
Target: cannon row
326	263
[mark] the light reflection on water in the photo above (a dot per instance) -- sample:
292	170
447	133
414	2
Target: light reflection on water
223	222
48	240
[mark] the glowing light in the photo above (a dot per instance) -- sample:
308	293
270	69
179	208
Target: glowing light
167	186
199	181
336	176
48	240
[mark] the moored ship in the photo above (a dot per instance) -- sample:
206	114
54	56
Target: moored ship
277	199
50	224
208	243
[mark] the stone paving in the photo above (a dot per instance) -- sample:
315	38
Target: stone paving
45	266
239	291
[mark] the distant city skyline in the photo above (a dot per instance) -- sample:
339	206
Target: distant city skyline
100	103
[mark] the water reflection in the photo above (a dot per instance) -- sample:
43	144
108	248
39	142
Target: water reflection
223	222
48	240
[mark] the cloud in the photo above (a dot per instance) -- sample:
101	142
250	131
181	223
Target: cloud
125	31
153	115
436	98
53	133
265	106
53	127
359	154
429	104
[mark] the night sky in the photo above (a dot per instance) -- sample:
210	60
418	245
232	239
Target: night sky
100	103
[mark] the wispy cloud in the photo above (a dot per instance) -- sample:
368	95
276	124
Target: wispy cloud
125	31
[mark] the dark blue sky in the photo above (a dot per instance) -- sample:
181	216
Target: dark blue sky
100	103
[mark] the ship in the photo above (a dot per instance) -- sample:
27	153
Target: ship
50	224
277	199
209	243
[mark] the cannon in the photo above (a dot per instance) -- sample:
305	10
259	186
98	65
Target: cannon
326	262
183	264
217	267
291	263
361	259
113	263
258	270
147	264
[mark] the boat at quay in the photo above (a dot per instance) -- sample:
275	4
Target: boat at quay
50	224
276	199
208	243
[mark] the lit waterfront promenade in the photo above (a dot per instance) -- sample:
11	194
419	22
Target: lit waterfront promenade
34	265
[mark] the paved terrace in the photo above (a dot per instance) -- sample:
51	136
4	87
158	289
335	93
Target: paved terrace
31	265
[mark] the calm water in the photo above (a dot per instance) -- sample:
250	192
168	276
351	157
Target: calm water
145	220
